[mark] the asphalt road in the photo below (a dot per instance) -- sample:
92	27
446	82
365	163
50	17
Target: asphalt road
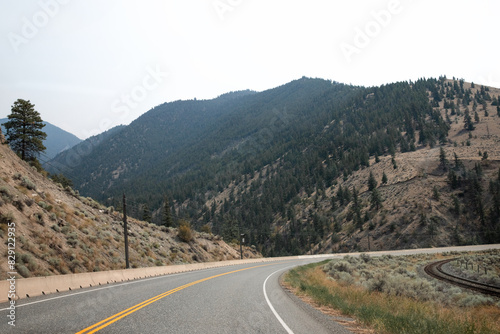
243	298
236	299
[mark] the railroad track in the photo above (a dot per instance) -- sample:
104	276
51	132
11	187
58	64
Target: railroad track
435	270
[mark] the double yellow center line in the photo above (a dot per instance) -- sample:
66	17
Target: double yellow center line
114	318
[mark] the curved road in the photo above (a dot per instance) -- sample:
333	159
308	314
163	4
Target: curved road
237	299
244	298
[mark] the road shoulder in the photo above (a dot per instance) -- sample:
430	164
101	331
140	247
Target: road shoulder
329	317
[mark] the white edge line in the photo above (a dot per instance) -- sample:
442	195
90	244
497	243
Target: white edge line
285	326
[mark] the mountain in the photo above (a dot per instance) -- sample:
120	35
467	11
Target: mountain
73	156
57	231
188	138
289	166
57	140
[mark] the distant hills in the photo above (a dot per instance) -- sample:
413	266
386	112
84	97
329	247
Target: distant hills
73	156
57	140
289	167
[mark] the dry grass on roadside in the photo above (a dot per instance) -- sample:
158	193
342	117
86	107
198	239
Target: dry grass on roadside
391	314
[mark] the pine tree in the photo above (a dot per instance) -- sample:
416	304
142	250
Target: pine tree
484	155
456	205
384	178
443	162
468	125
453	179
167	214
476	117
458	163
494	214
376	199
435	193
356	207
372	183
146	213
24	130
341	196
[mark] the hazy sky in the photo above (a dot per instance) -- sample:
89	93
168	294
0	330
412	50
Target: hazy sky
88	65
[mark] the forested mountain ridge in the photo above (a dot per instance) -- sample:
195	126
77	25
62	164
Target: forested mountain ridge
182	138
285	166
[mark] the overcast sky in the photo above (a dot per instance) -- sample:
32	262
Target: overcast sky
88	65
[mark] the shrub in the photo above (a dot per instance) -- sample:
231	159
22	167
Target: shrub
23	271
56	263
6	218
72	239
73	265
377	283
474	300
206	229
45	206
26	182
18	204
185	233
29	261
5	194
342	266
39	218
72	192
365	257
345	277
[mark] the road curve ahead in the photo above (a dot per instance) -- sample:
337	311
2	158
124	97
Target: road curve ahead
244	298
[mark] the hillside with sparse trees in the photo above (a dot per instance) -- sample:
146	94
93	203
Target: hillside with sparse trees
313	166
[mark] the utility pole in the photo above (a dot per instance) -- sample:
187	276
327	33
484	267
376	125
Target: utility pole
125	231
241	235
242	239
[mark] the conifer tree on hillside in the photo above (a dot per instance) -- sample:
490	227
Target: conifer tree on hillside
376	199
384	178
146	213
372	183
167	214
23	130
468	125
443	161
